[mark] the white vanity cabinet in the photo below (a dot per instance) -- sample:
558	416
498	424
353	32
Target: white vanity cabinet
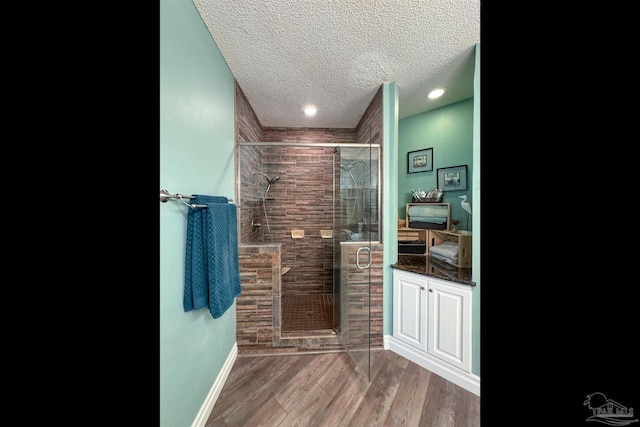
432	325
449	323
410	308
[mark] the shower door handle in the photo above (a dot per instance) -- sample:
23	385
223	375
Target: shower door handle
358	258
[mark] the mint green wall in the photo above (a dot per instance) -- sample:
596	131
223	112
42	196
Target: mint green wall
449	131
196	157
389	197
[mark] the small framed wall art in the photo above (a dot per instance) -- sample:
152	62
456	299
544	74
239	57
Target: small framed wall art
453	178
420	160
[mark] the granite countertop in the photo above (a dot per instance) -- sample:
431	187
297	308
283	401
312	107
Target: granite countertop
432	267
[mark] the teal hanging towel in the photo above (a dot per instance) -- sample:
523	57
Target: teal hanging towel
212	271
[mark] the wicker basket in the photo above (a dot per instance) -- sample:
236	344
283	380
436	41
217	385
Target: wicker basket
415	199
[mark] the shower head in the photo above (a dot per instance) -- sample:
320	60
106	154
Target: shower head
269	180
351	165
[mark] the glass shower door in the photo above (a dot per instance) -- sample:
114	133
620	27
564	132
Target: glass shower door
356	220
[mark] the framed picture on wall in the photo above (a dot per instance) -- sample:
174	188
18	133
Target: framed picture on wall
453	178
420	160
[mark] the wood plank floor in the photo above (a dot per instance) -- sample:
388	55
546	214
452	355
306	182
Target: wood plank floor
326	389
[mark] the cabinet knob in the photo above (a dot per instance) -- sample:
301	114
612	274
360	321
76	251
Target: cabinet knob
430	290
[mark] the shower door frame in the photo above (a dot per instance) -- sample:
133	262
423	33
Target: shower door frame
349	299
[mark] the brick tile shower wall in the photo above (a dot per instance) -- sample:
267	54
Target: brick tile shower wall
248	160
302	200
302	135
258	306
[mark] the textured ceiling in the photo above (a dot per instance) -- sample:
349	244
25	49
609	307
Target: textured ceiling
336	54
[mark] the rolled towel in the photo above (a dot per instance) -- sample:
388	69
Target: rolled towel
427	225
446	249
428	210
435	219
443	258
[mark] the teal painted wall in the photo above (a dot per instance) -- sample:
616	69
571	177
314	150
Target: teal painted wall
389	197
449	131
196	157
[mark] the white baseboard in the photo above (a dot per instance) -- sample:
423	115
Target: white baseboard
466	380
216	389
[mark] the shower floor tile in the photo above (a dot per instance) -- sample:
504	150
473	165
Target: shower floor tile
309	313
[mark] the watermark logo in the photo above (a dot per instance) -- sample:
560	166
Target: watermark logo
607	411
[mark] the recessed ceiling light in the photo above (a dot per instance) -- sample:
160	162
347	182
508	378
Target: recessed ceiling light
310	110
436	93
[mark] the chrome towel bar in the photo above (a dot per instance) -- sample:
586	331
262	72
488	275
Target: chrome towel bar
165	195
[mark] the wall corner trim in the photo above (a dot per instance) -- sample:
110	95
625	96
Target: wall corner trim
216	389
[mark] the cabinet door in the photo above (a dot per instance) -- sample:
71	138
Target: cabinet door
450	324
409	305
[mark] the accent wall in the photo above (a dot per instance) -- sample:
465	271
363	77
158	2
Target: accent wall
196	157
